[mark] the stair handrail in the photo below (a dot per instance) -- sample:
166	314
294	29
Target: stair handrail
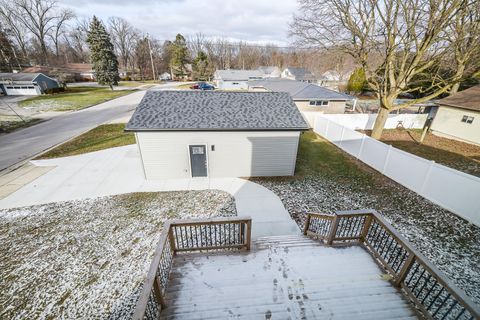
189	235
403	262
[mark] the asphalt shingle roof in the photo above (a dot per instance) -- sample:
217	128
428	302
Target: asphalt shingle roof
24	77
467	99
245	75
216	110
300	90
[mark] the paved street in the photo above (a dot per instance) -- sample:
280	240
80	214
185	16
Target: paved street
25	143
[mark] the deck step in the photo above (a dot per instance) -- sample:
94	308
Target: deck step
282	277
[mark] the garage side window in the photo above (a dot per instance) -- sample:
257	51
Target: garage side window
467	119
319	103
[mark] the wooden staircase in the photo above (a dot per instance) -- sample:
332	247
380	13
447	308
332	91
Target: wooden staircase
282	277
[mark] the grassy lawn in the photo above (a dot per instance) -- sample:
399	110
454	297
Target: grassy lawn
12	123
318	156
74	98
451	153
184	86
102	137
138	83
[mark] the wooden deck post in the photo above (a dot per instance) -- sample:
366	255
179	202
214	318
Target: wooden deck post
333	229
307	224
402	274
366	227
157	288
171	239
249	234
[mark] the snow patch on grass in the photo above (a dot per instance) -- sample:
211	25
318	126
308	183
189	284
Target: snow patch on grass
450	242
88	258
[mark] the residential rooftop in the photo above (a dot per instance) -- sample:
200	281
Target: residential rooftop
466	99
216	111
300	90
21	77
240	75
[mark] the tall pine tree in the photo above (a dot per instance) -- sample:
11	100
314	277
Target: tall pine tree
201	67
105	63
179	56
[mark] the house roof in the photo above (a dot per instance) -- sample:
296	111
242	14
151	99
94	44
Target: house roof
300	90
20	77
270	71
467	99
216	111
245	75
69	67
301	73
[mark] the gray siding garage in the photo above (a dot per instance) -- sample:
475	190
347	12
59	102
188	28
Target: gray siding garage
184	134
26	84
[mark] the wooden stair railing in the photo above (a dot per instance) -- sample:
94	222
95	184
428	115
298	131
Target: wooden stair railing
427	287
178	236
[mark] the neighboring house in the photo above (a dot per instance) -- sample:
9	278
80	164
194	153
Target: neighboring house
299	74
165	76
458	116
235	79
26	84
270	71
69	72
333	79
183	134
307	97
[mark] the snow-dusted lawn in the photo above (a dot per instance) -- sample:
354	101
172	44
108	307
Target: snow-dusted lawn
87	259
450	242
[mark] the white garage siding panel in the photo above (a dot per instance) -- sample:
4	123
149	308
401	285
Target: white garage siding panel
22	90
233	85
237	154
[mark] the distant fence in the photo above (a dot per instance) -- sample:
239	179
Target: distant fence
453	190
366	121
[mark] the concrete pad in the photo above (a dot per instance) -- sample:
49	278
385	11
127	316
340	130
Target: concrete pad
16	179
119	170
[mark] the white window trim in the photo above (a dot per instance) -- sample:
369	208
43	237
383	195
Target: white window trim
315	105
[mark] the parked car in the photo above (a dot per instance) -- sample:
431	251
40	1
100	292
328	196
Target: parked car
202	86
205	86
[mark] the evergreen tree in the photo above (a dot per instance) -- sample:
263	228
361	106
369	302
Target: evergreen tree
357	81
201	67
105	63
179	56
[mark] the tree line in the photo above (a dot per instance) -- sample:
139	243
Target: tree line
42	32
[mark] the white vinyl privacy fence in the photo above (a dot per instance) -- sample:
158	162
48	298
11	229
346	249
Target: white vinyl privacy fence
362	121
456	191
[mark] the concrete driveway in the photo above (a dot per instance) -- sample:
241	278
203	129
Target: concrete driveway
119	170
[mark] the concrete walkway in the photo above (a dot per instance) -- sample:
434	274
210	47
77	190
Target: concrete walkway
119	170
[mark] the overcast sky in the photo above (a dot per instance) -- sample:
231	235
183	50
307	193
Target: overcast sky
259	21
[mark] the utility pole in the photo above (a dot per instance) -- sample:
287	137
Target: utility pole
151	56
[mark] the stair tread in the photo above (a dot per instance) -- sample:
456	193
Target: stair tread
288	276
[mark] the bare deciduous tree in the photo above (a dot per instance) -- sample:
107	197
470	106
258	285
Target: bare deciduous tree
12	26
393	40
59	30
124	37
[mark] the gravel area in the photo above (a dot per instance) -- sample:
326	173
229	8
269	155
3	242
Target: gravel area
87	259
450	242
